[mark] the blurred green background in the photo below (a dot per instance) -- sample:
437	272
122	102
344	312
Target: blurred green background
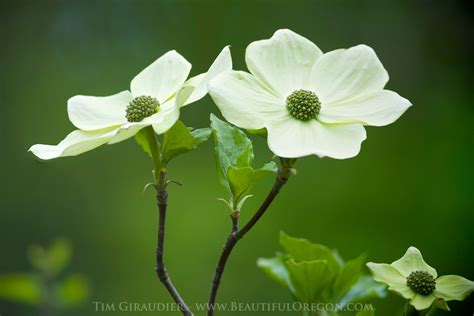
410	185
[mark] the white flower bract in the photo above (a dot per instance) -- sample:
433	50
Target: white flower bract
102	120
349	84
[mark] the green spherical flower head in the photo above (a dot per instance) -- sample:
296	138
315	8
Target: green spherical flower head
303	105
421	282
141	107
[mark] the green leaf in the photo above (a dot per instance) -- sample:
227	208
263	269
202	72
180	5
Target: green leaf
143	139
234	155
309	278
242	179
232	148
179	139
303	250
53	260
20	288
347	277
365	288
276	269
366	313
73	291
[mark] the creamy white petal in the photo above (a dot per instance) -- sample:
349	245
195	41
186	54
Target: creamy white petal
453	287
244	101
93	113
346	74
283	62
387	274
195	81
171	114
379	109
421	302
292	138
162	78
403	290
412	261
125	133
222	63
77	142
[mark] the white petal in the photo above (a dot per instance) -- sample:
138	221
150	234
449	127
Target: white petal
346	74
244	101
77	142
169	116
403	290
453	287
125	133
195	81
421	302
282	62
162	78
292	138
412	261
92	113
379	109
222	63
387	274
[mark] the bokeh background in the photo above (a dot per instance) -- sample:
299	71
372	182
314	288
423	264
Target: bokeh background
411	184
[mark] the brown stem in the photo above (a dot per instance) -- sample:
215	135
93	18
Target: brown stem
161	272
236	234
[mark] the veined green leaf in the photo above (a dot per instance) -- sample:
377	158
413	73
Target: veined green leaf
347	277
143	139
242	179
180	139
234	156
303	250
309	278
276	269
232	148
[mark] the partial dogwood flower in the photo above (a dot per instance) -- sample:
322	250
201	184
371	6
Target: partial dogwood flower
412	278
156	95
310	103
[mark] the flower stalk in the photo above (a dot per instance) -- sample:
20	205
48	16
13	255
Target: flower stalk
161	181
235	235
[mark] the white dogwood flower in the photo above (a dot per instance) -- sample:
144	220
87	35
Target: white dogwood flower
156	95
412	278
310	103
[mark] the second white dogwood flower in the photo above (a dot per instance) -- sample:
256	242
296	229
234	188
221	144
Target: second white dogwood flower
310	103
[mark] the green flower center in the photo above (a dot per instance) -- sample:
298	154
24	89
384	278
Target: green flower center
421	282
141	107
303	105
